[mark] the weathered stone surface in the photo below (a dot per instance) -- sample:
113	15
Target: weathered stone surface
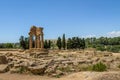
14	70
81	61
75	63
25	64
11	64
95	59
10	59
57	74
51	69
4	68
107	54
56	64
114	65
67	62
20	68
89	61
38	69
32	63
109	76
9	54
38	47
104	59
38	40
17	65
3	59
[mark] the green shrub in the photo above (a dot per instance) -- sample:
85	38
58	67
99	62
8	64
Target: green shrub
22	70
115	49
99	67
57	76
100	47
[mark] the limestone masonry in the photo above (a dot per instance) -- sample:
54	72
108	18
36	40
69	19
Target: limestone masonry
38	33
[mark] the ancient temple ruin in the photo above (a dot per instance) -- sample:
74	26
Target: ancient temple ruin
37	33
36	41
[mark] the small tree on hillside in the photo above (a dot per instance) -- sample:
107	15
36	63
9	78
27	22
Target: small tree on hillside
49	44
45	44
83	44
26	43
59	43
63	42
22	42
69	43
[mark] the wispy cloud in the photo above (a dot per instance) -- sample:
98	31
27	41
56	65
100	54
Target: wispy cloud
89	36
113	34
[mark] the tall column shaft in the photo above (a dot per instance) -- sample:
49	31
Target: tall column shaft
35	42
30	42
38	41
42	41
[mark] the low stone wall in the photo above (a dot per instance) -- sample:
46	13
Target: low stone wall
9	49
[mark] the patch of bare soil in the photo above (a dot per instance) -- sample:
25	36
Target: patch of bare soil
9	76
74	76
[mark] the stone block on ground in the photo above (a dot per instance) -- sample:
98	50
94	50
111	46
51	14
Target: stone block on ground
3	59
4	68
39	69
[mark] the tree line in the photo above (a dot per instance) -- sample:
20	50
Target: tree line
70	43
61	43
111	44
104	43
9	45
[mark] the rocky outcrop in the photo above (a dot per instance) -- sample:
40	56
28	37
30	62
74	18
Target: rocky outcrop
108	76
4	68
39	69
3	59
54	64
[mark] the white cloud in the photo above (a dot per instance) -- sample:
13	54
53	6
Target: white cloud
89	36
113	34
109	34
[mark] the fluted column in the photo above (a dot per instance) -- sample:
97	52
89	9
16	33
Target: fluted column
42	41
30	42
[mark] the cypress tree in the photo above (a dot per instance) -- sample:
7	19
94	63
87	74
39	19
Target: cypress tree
59	43
49	44
63	42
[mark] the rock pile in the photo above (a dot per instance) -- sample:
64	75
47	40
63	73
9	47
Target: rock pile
54	64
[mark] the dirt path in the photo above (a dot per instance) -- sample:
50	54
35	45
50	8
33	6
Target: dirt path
74	76
8	76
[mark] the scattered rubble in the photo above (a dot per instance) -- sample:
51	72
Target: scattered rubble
55	64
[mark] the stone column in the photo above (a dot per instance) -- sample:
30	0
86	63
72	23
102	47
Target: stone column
38	41
35	42
42	41
30	42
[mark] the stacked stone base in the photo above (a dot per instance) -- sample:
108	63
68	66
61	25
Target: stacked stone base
36	53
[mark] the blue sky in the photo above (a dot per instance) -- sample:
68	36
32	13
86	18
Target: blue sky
81	18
